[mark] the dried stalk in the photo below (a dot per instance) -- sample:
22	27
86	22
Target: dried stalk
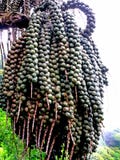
23	132
43	139
51	148
68	141
31	90
14	123
19	132
33	124
66	74
48	104
18	114
28	130
36	136
76	95
49	137
85	157
72	151
39	134
27	7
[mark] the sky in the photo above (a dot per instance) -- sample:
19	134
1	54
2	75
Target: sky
107	38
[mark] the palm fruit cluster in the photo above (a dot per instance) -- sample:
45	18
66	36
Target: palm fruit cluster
53	83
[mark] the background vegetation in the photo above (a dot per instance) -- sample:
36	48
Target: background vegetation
12	148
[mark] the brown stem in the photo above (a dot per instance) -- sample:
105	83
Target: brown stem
36	136
50	134
76	95
48	104
66	74
33	123
14	123
56	110
43	139
69	135
27	7
91	146
68	141
23	132
18	114
85	157
31	89
19	132
72	137
39	134
23	153
72	151
28	130
51	147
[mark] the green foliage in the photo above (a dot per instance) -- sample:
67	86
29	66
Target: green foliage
117	136
96	156
64	155
11	147
106	153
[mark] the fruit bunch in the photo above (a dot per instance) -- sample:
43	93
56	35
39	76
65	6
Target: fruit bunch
53	83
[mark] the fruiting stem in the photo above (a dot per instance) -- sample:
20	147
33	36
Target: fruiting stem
51	147
28	129
14	124
33	124
43	139
19	132
66	74
56	111
69	135
85	157
39	134
48	104
72	137
23	132
72	151
36	136
50	134
76	95
18	114
68	141
31	89
91	143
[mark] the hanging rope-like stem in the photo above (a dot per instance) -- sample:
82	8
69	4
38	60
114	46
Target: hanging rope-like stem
8	6
27	7
50	134
51	148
